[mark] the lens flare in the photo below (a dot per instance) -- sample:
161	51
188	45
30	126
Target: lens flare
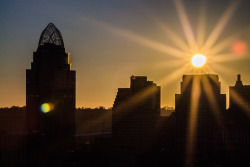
198	60
239	48
47	107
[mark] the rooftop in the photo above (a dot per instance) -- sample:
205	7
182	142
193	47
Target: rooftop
51	35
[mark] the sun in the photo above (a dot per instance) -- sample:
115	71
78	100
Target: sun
198	60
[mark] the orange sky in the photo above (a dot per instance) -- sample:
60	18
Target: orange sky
112	40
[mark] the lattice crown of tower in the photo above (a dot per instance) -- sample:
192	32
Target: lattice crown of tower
51	35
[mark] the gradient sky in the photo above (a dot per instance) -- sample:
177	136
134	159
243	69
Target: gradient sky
110	40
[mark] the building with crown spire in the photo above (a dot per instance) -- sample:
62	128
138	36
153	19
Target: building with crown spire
239	96
236	135
50	93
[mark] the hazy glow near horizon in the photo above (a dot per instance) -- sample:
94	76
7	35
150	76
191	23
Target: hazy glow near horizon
198	60
109	41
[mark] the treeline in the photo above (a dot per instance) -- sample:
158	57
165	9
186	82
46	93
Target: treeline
96	109
12	119
17	108
93	120
13	108
88	120
165	111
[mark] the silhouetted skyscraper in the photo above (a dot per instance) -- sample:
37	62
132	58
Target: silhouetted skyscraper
239	96
50	92
199	110
236	137
135	112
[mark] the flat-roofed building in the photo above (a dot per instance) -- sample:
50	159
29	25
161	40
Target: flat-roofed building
134	116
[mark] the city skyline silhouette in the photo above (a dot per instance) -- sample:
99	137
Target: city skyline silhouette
156	43
128	94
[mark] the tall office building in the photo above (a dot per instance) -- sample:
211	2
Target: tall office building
199	110
134	116
236	137
239	96
50	93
